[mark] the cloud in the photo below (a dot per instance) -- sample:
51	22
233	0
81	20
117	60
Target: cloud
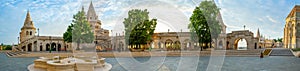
272	20
53	17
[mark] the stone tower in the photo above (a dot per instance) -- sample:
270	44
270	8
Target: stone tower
28	30
93	19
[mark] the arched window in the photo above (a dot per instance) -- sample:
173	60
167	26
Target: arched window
30	32
26	32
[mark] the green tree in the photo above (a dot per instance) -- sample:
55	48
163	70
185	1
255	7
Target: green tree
81	32
138	28
211	11
279	39
275	40
199	27
67	36
8	47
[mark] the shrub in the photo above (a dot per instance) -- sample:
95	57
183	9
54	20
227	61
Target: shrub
296	49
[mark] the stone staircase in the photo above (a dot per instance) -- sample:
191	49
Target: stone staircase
10	54
243	52
281	52
267	52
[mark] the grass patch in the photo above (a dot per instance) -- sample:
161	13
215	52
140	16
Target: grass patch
296	49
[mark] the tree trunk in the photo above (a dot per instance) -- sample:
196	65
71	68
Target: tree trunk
78	43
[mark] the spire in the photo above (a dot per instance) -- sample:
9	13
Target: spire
91	12
28	22
258	33
82	9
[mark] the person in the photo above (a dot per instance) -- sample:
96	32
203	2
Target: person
261	55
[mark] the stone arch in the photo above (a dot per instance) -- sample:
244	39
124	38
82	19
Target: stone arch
29	47
255	45
235	36
236	43
24	48
35	46
186	44
47	47
30	33
53	46
41	47
59	47
220	44
120	46
27	32
168	43
227	45
177	45
159	44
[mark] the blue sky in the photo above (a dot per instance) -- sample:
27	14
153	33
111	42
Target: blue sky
53	16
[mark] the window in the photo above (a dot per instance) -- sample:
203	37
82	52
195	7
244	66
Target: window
96	27
90	17
26	32
30	32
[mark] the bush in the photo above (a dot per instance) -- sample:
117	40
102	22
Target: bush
296	49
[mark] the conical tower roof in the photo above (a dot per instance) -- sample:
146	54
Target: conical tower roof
28	24
258	33
91	12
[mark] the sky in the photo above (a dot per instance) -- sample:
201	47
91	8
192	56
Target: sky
53	16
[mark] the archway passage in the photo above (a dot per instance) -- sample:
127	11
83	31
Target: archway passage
241	44
169	44
177	45
59	47
53	47
29	47
41	48
24	48
47	47
244	37
220	44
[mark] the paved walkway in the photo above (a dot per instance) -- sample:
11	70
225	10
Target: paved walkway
281	52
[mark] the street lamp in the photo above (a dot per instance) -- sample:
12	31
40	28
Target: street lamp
18	40
50	44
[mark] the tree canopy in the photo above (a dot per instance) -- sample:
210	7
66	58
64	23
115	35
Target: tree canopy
199	27
211	12
79	31
138	28
67	36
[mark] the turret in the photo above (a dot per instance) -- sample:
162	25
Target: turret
28	30
93	19
258	33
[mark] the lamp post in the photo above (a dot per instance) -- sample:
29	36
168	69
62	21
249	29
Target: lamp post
18	40
50	44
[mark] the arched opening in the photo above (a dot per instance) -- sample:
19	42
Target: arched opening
227	45
27	32
30	32
47	47
159	44
29	47
59	47
240	44
168	44
41	48
35	47
186	44
121	46
24	48
53	47
255	45
177	45
220	44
